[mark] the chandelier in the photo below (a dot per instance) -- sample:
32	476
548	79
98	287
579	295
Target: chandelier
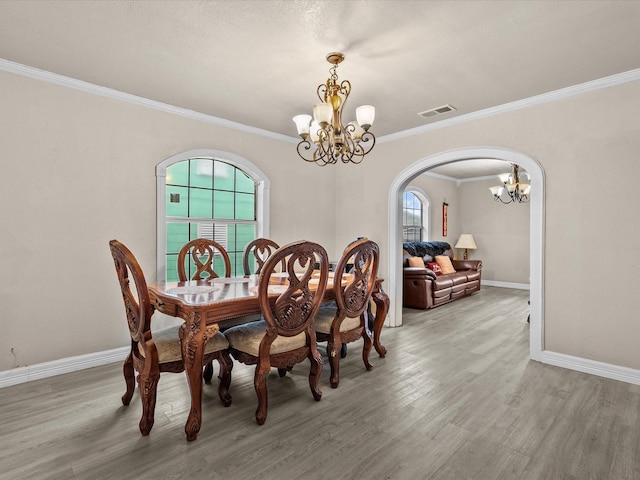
516	191
325	139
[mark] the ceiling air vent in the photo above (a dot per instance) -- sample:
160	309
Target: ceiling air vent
436	111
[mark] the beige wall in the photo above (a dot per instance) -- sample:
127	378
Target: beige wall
587	145
79	171
501	232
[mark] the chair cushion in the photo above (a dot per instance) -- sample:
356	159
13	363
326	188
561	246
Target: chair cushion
168	344
324	318
246	338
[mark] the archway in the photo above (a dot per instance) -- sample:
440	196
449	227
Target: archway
536	230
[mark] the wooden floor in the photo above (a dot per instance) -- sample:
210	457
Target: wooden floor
455	398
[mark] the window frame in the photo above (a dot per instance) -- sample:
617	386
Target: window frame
426	212
262	195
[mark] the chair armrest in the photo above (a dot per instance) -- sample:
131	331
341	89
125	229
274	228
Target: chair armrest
418	272
475	265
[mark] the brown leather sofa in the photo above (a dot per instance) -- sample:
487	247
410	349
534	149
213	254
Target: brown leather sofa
424	289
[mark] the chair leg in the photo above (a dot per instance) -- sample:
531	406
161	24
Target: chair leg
129	378
224	377
148	388
282	372
208	372
315	371
260	384
333	352
366	349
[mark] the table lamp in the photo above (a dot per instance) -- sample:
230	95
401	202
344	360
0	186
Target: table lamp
466	241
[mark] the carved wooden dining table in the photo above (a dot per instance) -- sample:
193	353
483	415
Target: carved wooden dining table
206	305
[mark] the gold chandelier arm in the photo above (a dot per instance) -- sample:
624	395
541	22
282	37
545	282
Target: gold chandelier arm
366	138
305	146
345	90
322	92
512	198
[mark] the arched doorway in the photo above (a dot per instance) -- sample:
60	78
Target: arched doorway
536	337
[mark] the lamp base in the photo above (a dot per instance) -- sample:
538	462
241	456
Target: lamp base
466	255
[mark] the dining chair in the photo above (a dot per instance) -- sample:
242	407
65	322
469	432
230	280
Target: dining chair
257	252
346	319
285	335
203	252
155	352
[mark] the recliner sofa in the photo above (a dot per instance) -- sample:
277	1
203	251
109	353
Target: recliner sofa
424	289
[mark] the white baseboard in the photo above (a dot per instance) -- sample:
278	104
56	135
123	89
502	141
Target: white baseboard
64	365
81	362
494	283
592	367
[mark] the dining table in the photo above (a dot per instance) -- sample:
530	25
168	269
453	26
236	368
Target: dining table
207	305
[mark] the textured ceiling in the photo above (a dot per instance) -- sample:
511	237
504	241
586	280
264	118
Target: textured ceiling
259	62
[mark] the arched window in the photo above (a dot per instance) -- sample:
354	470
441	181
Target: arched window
415	216
207	194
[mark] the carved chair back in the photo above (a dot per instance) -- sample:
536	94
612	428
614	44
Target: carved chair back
292	312
137	303
353	299
202	252
259	250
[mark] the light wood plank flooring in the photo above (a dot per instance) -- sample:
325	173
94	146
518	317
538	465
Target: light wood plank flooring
456	398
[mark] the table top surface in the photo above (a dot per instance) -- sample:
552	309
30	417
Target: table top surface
227	289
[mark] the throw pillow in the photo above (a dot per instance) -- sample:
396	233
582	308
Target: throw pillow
435	268
445	264
415	262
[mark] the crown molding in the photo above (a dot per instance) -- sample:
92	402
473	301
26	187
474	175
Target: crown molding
458	181
605	82
45	76
440	176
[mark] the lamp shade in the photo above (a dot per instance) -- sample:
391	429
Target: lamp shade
365	115
322	113
302	124
496	191
505	178
466	241
314	130
355	130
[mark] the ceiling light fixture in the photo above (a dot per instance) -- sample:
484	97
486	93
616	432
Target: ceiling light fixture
516	191
332	140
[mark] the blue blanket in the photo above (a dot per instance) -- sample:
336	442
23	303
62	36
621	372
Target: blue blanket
420	249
